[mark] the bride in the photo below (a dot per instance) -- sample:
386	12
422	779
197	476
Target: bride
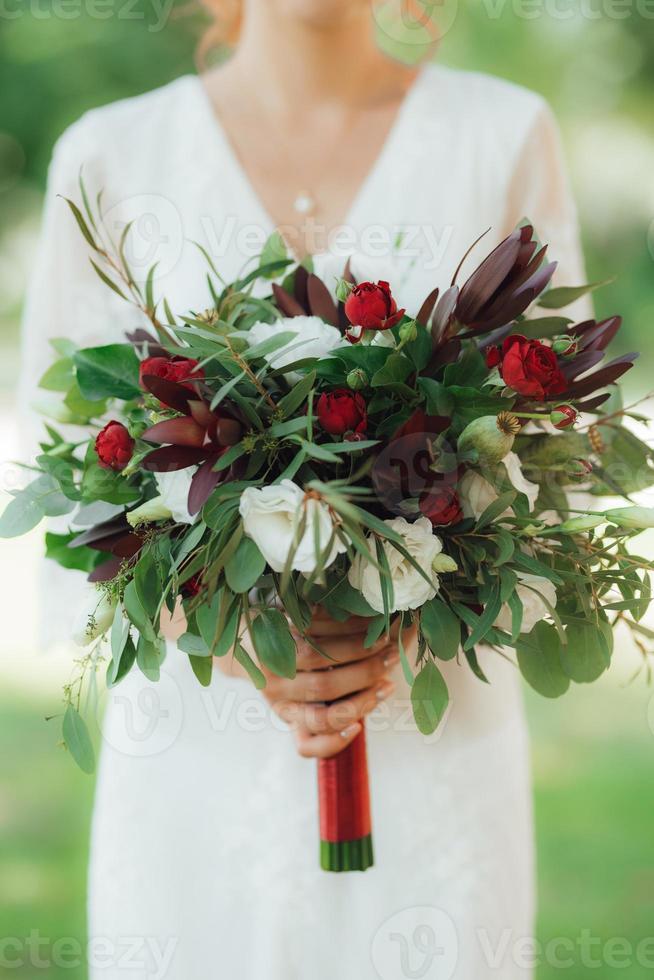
204	842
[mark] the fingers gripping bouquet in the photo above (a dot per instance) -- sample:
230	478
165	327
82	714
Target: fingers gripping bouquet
275	454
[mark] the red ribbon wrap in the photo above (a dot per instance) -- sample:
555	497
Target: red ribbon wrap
344	793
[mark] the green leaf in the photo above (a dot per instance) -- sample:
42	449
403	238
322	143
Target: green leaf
554	299
148	658
274	251
118	668
396	369
246	661
543	327
297	395
107	281
439	401
41	498
429	698
441	628
496	508
56	547
111	371
245	567
77	739
137	614
194	645
148	584
539	659
274	643
584	657
267	347
59	376
203	669
81	407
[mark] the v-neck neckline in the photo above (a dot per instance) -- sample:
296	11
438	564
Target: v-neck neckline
214	126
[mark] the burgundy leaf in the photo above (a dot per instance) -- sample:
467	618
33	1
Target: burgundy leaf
427	308
602	335
443	314
593	403
288	305
320	302
203	482
171	458
114	525
487	278
201	413
169	392
300	286
605	376
179	432
228	432
106	571
576	366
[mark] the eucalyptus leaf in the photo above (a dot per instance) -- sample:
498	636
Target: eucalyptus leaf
77	739
429	698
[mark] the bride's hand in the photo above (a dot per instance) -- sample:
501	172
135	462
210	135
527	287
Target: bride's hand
329	695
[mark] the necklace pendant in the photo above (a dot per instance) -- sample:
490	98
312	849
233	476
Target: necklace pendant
304	203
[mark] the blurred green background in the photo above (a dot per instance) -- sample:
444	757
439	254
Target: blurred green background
594	778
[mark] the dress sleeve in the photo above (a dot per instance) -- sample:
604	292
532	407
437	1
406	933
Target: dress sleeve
64	298
540	191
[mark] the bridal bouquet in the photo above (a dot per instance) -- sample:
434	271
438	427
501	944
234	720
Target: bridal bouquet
305	444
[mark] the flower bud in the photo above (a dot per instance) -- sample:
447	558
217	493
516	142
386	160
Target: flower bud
565	346
443	563
563	416
408	332
579	468
357	379
343	289
585	522
488	438
632	517
152	510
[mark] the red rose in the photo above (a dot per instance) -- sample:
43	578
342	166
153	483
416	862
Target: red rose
531	368
114	446
441	505
179	369
371	306
342	411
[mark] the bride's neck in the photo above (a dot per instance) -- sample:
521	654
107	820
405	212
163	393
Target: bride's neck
296	65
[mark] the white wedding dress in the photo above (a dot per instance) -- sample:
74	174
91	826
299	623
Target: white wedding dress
205	835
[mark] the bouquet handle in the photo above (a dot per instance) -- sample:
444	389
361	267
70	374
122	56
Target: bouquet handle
344	804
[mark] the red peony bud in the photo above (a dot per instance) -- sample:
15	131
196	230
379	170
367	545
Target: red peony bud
563	416
342	411
441	505
183	370
371	306
493	357
114	446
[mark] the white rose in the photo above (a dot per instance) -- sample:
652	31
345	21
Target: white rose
533	607
94	618
476	493
271	516
410	589
174	490
313	338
